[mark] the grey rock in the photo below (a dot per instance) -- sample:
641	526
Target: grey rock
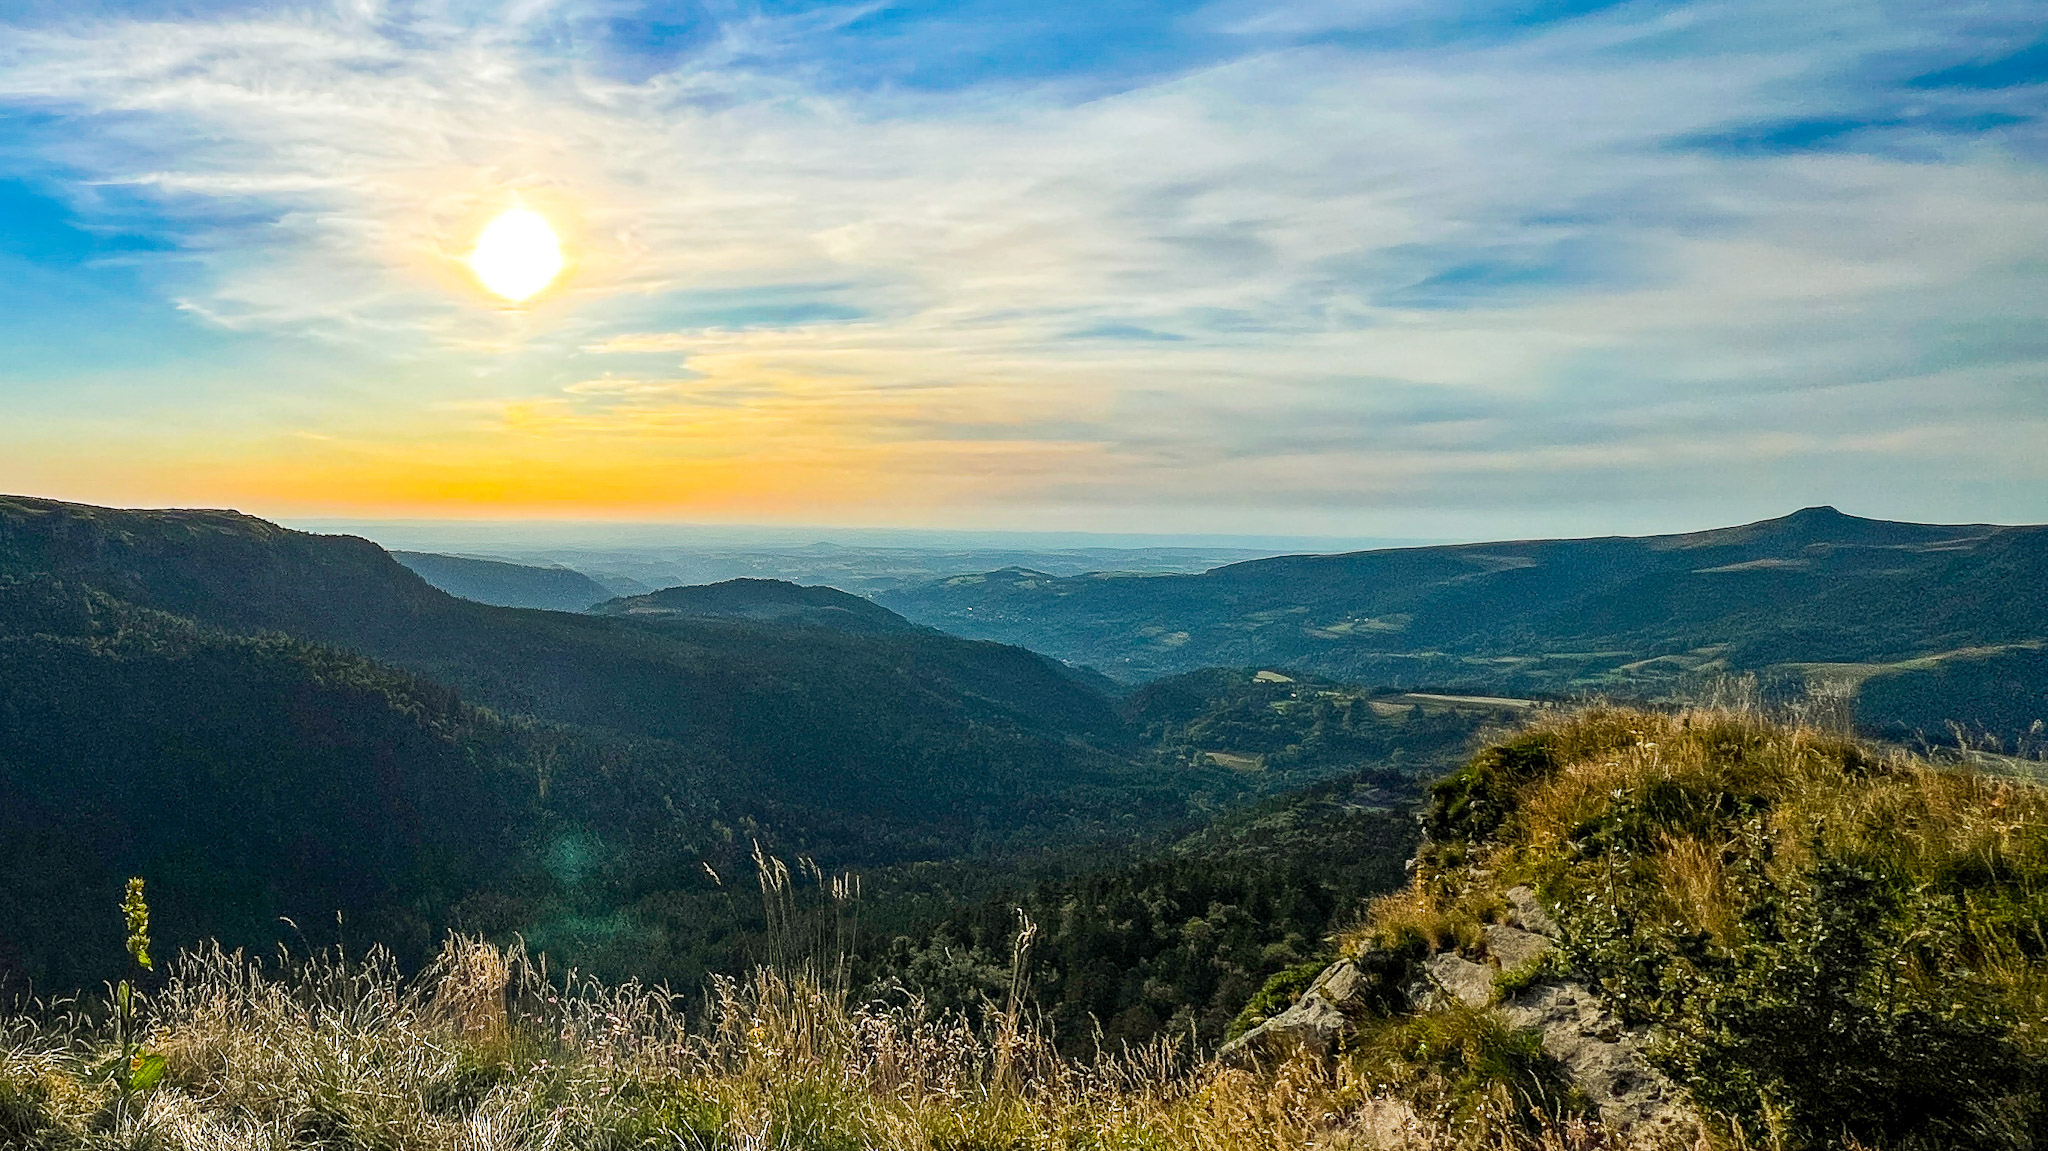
1385	1125
1605	1060
1467	982
1313	1026
1422	993
1529	913
1316	1024
1342	984
1512	947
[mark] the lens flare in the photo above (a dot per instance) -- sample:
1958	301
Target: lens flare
517	255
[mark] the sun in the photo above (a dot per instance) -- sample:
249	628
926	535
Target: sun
517	254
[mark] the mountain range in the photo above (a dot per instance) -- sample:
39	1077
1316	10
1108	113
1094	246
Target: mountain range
1927	624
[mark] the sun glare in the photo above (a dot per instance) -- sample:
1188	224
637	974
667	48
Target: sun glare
517	255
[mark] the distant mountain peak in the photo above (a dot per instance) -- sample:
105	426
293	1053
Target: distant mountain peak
1823	525
1512	618
227	568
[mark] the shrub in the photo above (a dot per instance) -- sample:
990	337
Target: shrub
1810	1028
1279	993
1473	802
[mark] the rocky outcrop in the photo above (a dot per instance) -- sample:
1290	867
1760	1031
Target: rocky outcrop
1513	948
1316	1025
1605	1059
1456	977
1529	912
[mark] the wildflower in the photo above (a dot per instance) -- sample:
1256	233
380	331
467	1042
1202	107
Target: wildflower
137	913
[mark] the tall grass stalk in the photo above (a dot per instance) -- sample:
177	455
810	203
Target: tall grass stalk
487	1052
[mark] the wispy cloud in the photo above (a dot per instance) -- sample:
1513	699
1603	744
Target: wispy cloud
1371	259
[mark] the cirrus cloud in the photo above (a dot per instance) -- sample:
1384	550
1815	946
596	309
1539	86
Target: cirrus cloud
1347	267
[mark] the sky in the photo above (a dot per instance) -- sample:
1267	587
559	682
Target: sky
1447	269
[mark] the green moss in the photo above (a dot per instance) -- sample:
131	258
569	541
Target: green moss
1509	983
1468	1068
1276	996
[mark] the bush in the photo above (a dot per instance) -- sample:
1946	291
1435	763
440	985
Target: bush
1809	1031
1474	801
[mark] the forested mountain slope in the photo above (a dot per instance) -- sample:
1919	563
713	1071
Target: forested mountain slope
918	730
255	779
506	584
1177	942
274	727
1638	615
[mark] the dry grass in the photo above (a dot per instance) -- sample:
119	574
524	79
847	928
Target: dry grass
1700	782
1749	882
485	1052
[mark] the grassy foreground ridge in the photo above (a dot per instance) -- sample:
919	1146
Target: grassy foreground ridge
1835	946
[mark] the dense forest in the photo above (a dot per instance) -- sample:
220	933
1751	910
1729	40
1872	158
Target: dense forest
1176	942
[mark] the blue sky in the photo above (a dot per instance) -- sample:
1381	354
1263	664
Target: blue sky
1344	267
